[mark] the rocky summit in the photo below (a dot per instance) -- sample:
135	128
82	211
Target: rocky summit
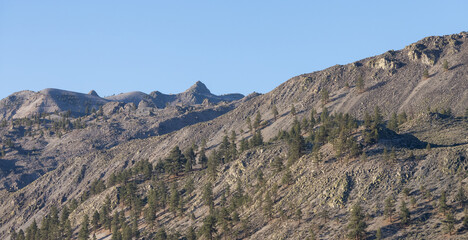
375	149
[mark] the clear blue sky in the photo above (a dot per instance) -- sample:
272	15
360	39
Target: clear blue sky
232	46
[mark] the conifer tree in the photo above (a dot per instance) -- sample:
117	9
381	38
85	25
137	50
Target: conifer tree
95	220
356	226
275	113
191	234
277	164
208	196
389	208
209	227
257	121
174	199
404	213
325	97
445	65
393	122
426	74
84	230
443	207
360	84
249	124
449	222
293	110
268	205
287	177
461	197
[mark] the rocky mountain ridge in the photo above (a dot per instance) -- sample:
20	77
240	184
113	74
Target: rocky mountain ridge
27	103
321	185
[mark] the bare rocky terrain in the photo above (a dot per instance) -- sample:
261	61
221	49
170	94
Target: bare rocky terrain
55	147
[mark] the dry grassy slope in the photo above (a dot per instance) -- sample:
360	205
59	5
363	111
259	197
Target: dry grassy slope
391	88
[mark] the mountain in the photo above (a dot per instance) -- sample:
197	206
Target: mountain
27	103
334	143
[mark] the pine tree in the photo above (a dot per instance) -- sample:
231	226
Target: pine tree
404	213
257	121
161	234
449	222
191	234
209	227
393	122
360	84
426	74
268	205
389	208
202	159
461	197
84	230
443	207
293	110
287	177
174	199
249	124
356	226
275	113
445	65
277	164
324	96
95	220
208	196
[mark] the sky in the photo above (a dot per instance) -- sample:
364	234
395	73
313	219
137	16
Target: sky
240	46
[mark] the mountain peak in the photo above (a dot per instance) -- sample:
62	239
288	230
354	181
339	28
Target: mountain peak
199	88
93	93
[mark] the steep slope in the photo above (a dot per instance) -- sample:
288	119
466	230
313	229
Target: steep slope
47	135
323	190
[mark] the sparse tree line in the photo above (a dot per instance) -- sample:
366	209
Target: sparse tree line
167	196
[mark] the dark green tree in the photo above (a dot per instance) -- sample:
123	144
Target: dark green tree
293	110
449	222
445	65
404	213
275	113
287	177
174	199
268	206
392	124
257	121
356	224
426	74
249	124
461	197
161	234
277	164
443	207
360	84
84	230
96	220
209	227
324	96
208	197
190	235
389	208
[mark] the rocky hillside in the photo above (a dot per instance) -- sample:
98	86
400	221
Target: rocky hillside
284	165
27	103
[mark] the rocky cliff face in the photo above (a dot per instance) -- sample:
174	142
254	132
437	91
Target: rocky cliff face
132	128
